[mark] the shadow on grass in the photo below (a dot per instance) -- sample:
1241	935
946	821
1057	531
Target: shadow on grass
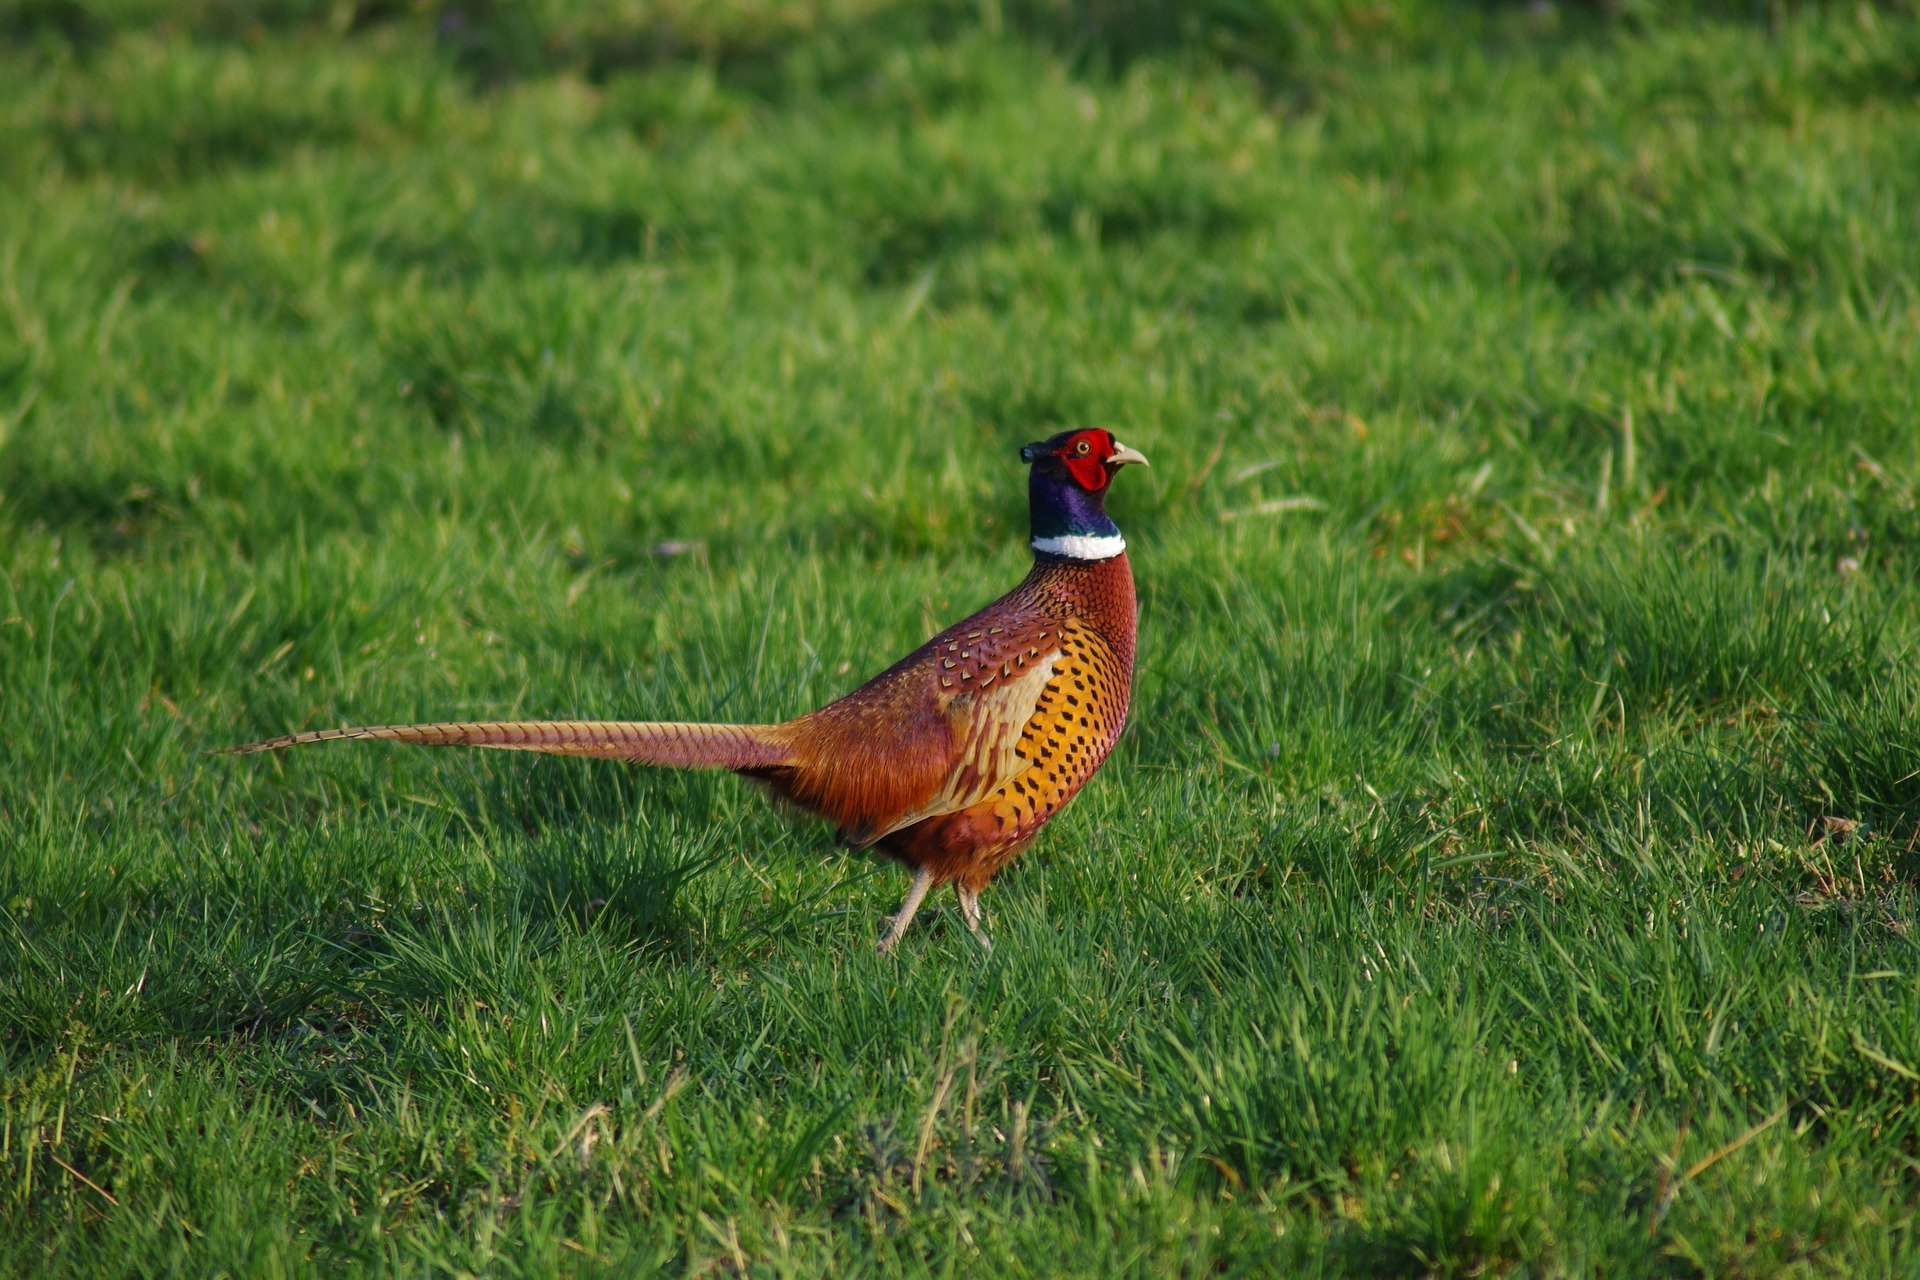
329	940
628	893
775	51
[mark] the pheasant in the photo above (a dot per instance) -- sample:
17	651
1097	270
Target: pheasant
951	760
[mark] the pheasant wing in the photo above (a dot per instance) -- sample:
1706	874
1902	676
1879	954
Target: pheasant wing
936	732
987	711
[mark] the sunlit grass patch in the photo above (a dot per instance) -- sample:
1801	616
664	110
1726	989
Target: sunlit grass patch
1509	868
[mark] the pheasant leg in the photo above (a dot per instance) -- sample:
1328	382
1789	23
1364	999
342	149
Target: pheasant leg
970	912
922	881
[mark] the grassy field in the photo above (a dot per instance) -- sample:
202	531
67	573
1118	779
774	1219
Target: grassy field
1511	867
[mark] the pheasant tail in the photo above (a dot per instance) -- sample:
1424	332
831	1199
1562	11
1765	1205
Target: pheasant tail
672	745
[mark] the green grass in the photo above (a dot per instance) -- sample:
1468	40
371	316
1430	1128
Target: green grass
1510	867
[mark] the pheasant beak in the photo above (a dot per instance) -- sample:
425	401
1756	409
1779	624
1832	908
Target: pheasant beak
1122	455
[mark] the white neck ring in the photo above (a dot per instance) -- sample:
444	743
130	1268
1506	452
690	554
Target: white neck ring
1083	546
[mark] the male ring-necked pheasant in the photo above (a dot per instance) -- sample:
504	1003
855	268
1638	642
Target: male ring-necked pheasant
952	759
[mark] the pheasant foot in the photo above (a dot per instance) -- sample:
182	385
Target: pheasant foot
970	912
897	927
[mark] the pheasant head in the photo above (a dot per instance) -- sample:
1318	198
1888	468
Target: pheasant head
1067	493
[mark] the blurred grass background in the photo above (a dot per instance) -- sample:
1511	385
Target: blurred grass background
1510	869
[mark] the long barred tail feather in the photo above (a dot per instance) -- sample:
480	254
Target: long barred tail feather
672	745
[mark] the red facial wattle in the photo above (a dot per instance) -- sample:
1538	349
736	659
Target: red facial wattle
1089	469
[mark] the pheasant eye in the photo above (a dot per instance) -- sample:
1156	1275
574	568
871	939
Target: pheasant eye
1083	448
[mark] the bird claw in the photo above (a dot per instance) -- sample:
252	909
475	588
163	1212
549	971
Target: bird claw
897	928
970	912
922	881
